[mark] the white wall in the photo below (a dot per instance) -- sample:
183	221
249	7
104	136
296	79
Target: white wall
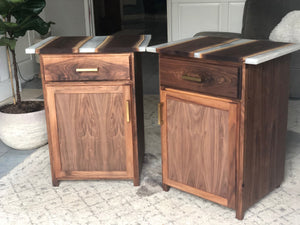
68	15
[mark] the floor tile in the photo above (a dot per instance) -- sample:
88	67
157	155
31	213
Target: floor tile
11	158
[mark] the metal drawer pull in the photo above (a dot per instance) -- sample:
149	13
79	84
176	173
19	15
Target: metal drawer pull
86	69
127	112
195	79
159	113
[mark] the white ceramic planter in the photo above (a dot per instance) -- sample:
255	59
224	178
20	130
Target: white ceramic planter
23	131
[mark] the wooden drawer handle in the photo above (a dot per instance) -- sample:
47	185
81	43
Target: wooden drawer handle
86	70
194	79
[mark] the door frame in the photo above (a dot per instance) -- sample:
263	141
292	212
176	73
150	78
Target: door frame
89	17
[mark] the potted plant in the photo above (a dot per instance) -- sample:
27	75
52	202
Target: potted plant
22	124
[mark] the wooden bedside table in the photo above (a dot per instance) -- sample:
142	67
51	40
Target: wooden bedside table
223	116
94	106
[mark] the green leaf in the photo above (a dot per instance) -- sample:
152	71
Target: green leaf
8	27
36	23
4	8
29	7
16	1
2	26
11	43
26	15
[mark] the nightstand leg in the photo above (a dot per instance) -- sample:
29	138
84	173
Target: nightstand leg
136	181
165	187
55	182
239	215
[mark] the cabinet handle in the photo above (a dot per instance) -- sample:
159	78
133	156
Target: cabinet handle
189	78
159	113
86	70
127	112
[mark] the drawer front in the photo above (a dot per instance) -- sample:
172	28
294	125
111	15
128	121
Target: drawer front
200	77
84	67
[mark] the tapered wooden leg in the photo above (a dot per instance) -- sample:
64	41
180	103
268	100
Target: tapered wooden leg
240	214
136	181
165	187
55	182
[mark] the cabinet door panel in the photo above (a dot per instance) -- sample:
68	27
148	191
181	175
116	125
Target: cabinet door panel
92	131
199	136
203	135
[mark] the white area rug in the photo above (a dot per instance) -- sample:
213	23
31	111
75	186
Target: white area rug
27	195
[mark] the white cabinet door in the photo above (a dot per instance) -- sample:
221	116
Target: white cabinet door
187	17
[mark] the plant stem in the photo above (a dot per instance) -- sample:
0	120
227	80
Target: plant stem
11	75
16	76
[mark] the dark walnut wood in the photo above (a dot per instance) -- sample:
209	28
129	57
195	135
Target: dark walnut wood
235	53
94	119
261	161
216	145
138	117
89	122
200	156
109	67
188	48
200	77
238	53
112	44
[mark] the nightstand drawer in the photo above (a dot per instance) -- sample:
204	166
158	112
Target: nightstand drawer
86	67
200	77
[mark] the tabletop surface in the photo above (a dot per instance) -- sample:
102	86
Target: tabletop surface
227	49
97	44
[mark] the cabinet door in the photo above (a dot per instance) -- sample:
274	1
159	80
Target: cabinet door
91	131
199	145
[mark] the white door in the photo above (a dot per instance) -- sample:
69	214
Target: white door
186	18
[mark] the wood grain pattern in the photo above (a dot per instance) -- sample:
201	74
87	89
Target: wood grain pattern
92	133
203	136
197	134
253	146
215	79
266	99
112	44
232	53
239	53
187	49
61	45
63	67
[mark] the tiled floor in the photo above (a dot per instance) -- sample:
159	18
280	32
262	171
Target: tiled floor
9	157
